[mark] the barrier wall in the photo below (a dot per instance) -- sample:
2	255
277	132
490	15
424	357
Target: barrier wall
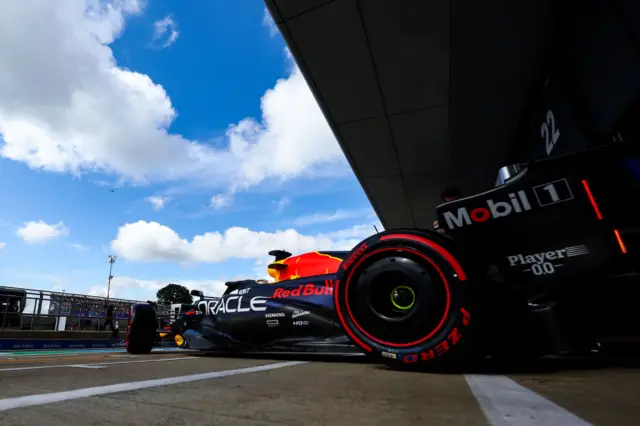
36	344
43	339
40	319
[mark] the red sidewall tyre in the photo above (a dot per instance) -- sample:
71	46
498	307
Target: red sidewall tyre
448	338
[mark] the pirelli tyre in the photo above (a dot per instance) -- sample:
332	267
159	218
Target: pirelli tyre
141	331
402	297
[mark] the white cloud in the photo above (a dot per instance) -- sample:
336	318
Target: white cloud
78	247
40	232
220	201
151	241
2	245
125	287
85	114
338	215
165	29
157	201
267	21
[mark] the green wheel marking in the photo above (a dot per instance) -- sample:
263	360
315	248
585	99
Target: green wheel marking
407	306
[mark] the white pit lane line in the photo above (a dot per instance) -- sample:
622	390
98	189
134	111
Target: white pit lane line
506	403
49	398
94	364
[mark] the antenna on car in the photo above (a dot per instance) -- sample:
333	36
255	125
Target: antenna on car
374	227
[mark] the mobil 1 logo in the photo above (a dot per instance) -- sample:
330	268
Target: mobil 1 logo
554	192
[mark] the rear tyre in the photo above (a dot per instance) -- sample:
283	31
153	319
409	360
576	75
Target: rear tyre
402	297
141	331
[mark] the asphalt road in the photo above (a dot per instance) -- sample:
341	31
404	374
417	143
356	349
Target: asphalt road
177	388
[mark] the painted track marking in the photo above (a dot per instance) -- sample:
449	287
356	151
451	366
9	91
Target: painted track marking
74	352
506	403
49	398
43	360
100	364
89	366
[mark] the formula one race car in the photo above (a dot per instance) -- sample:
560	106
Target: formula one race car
543	263
252	315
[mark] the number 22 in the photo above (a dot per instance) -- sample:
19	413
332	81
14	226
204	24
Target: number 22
549	132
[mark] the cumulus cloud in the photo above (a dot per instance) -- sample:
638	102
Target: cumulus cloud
2	245
220	201
85	114
41	232
165	31
157	201
151	241
123	287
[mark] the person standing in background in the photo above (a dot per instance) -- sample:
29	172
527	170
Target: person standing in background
450	193
109	320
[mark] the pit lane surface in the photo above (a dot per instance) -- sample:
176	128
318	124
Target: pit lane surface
177	388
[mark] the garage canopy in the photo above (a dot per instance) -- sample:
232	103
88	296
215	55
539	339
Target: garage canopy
420	94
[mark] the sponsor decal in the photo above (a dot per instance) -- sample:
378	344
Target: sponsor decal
554	192
305	290
546	194
273	323
351	260
243	291
274	315
301	323
546	263
517	202
297	314
233	304
440	348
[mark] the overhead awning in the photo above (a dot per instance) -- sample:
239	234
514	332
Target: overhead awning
420	94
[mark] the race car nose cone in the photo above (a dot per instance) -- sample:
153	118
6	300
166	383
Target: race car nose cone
403	297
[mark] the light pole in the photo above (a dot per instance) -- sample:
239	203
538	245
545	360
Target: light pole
112	260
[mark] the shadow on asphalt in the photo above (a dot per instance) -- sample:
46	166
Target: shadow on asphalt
304	356
547	365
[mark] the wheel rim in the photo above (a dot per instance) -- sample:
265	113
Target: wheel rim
397	297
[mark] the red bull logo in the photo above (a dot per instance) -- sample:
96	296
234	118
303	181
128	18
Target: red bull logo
305	290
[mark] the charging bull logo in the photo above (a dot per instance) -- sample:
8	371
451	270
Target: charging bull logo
304	265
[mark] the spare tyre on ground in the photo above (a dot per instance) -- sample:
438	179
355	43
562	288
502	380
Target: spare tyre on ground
141	331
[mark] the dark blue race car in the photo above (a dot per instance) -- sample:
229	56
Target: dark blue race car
545	262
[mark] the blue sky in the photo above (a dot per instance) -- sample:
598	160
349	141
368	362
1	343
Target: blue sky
176	135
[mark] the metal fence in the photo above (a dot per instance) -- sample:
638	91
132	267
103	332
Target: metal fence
26	309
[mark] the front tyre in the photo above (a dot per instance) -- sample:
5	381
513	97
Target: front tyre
402	298
141	331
